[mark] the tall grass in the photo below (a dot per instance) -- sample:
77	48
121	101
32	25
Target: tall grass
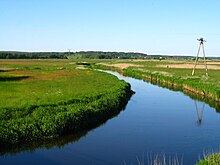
157	159
210	159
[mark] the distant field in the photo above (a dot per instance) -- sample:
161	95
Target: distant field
174	74
45	98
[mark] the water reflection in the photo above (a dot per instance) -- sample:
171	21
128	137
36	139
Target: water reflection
59	142
199	112
151	124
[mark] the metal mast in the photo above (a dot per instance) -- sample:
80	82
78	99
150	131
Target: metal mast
201	44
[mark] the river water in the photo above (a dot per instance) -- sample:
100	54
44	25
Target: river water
155	122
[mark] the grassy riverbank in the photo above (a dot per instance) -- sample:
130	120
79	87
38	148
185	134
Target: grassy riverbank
46	98
175	75
213	159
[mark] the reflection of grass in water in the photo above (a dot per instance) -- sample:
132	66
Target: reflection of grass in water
60	141
157	159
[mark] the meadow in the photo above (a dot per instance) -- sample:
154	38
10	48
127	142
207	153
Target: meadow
43	99
173	74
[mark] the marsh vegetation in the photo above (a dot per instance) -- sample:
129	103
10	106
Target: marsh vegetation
44	99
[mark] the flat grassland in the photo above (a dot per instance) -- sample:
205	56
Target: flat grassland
174	74
45	98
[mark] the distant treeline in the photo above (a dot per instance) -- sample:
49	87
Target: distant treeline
32	55
70	55
88	55
106	55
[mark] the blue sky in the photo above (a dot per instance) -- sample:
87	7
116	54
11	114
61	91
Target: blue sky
148	26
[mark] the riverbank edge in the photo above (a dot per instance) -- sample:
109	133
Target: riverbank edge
92	115
213	159
167	82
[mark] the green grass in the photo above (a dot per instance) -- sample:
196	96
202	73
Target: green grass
199	86
213	159
46	98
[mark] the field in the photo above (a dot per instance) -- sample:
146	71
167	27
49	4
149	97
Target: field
46	98
43	99
174	74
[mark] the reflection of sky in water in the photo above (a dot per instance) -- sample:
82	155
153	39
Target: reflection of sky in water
156	120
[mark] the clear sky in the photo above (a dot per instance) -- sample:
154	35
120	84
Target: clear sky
148	26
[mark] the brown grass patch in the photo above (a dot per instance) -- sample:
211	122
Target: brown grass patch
23	72
60	74
213	63
156	72
5	69
163	73
199	66
121	65
155	60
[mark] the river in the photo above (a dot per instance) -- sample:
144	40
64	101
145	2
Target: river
155	122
